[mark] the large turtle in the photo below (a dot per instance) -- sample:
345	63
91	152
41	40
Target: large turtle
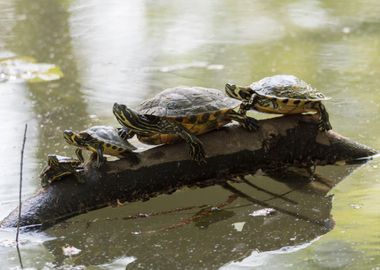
282	94
59	166
102	140
181	113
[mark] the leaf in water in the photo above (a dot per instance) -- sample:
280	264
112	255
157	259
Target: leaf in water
51	73
25	68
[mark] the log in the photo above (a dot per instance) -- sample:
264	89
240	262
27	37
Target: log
232	150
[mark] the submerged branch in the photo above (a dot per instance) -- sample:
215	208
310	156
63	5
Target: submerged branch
290	140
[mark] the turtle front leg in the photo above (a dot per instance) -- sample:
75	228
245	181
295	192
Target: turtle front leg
248	104
197	152
245	121
79	154
125	134
244	107
324	123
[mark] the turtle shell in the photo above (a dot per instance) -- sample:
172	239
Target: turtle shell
286	87
63	162
52	171
108	135
183	101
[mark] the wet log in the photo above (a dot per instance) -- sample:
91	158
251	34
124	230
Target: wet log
281	141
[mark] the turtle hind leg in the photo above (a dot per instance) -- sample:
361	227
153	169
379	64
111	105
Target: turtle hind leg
100	159
324	122
197	152
245	121
97	156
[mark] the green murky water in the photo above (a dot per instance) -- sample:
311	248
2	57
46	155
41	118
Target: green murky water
127	51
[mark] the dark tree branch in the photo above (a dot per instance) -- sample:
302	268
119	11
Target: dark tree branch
282	141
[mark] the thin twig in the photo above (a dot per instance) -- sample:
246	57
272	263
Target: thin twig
19	257
20	189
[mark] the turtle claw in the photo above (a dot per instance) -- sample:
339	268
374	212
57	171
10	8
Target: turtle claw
251	124
198	154
266	145
324	126
200	158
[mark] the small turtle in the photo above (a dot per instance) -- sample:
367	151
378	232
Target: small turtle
282	94
59	166
102	140
181	113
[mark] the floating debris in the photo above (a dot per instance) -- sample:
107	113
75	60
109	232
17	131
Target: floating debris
356	206
238	226
263	212
346	30
119	263
70	250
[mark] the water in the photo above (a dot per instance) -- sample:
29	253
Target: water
127	51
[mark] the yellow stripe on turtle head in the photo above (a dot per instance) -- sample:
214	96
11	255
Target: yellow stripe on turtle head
72	138
238	92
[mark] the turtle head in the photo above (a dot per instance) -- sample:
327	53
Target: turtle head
127	117
73	138
53	160
238	92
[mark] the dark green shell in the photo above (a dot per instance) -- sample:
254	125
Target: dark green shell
108	135
60	167
286	86
184	101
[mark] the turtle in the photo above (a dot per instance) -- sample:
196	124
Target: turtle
102	140
59	166
181	113
281	94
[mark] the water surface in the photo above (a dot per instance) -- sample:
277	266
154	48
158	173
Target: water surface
127	51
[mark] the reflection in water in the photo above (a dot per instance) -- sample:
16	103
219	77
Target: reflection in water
127	51
301	215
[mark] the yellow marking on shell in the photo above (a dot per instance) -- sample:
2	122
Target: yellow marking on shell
288	106
108	150
212	117
195	129
112	150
